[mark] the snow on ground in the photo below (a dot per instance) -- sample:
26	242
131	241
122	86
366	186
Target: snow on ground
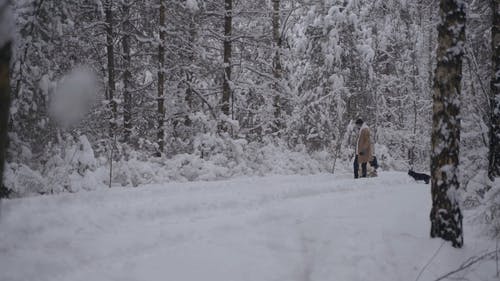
320	227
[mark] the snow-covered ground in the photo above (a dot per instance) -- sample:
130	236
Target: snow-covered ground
320	227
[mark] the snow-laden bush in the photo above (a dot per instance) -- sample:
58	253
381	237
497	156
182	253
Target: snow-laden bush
188	167
275	158
387	161
23	181
71	167
220	157
474	189
487	211
134	172
76	167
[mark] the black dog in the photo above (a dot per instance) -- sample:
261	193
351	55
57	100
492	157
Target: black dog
419	176
374	162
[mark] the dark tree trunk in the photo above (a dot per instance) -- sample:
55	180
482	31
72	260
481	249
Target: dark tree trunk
494	153
127	76
161	81
277	68
226	89
411	152
189	98
111	63
5	56
446	217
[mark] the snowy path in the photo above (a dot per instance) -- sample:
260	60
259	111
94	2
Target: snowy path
274	228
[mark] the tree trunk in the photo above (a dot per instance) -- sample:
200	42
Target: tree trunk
5	56
189	98
161	81
446	217
411	152
277	68
494	153
226	89
127	76
111	63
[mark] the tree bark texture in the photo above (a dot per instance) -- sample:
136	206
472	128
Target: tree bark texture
277	68
446	217
127	75
494	151
189	98
111	63
226	89
5	56
161	81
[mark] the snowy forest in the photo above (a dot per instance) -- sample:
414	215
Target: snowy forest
179	91
126	94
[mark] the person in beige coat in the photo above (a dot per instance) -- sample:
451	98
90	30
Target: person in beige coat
363	149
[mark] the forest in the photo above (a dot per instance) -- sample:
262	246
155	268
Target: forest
99	94
184	80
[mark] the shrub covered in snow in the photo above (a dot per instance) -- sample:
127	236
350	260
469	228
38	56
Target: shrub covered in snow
220	157
74	165
487	211
71	168
23	181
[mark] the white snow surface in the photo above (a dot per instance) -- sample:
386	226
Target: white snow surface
320	227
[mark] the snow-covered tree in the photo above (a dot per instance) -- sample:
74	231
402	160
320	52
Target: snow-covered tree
446	217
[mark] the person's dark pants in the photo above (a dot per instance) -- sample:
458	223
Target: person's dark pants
356	169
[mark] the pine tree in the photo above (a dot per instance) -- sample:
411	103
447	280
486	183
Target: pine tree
446	217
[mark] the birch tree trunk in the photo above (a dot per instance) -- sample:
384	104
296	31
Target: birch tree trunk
446	217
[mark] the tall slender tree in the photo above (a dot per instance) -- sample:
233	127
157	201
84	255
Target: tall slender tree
111	63
228	27
277	68
5	56
446	217
494	153
161	81
127	75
